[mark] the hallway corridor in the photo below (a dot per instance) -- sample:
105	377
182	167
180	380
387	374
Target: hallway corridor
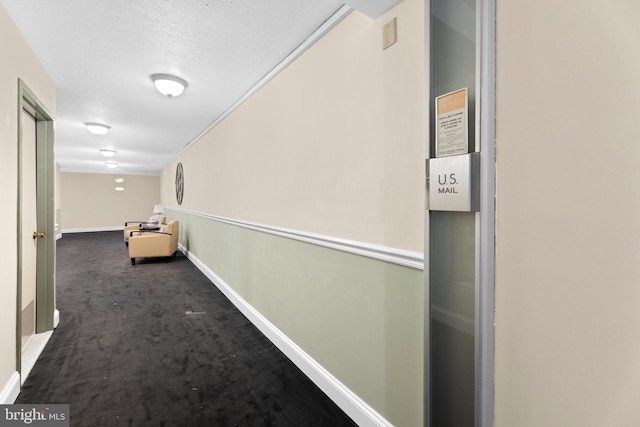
157	344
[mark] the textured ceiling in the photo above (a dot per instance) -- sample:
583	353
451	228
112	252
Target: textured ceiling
100	55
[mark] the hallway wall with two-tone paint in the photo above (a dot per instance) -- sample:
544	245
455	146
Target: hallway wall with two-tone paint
307	204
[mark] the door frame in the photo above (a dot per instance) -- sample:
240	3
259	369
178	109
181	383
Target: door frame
45	211
485	226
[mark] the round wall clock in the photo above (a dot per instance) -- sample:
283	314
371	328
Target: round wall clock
179	183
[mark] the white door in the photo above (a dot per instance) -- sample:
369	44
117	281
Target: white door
29	226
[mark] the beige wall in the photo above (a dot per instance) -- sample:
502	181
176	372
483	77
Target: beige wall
90	202
334	145
338	150
568	209
18	61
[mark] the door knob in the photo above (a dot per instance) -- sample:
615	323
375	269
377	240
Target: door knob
38	234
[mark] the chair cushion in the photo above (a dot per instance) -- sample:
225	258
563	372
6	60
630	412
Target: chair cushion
152	244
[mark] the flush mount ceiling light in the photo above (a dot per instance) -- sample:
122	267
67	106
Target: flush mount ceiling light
97	128
169	85
112	165
107	153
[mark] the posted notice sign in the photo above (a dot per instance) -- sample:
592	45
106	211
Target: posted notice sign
451	124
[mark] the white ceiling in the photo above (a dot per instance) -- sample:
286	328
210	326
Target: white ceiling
100	55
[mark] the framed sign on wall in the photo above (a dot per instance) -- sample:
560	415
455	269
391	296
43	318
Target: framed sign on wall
452	131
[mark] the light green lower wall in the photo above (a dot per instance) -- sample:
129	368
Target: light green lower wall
360	318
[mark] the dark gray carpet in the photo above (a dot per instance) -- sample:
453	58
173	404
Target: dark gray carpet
127	353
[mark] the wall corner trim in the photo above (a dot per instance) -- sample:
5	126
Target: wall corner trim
348	401
396	256
9	393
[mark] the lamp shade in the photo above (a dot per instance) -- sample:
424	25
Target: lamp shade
158	209
169	85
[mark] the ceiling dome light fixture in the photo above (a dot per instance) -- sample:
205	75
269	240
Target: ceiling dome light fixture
112	165
107	153
97	128
169	85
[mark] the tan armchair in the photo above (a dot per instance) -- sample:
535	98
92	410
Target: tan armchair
147	244
130	226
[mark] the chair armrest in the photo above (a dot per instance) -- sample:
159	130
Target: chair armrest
135	222
148	231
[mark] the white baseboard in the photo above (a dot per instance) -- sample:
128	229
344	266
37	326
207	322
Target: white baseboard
56	318
9	393
349	402
31	352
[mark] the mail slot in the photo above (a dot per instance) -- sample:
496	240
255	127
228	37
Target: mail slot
454	183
